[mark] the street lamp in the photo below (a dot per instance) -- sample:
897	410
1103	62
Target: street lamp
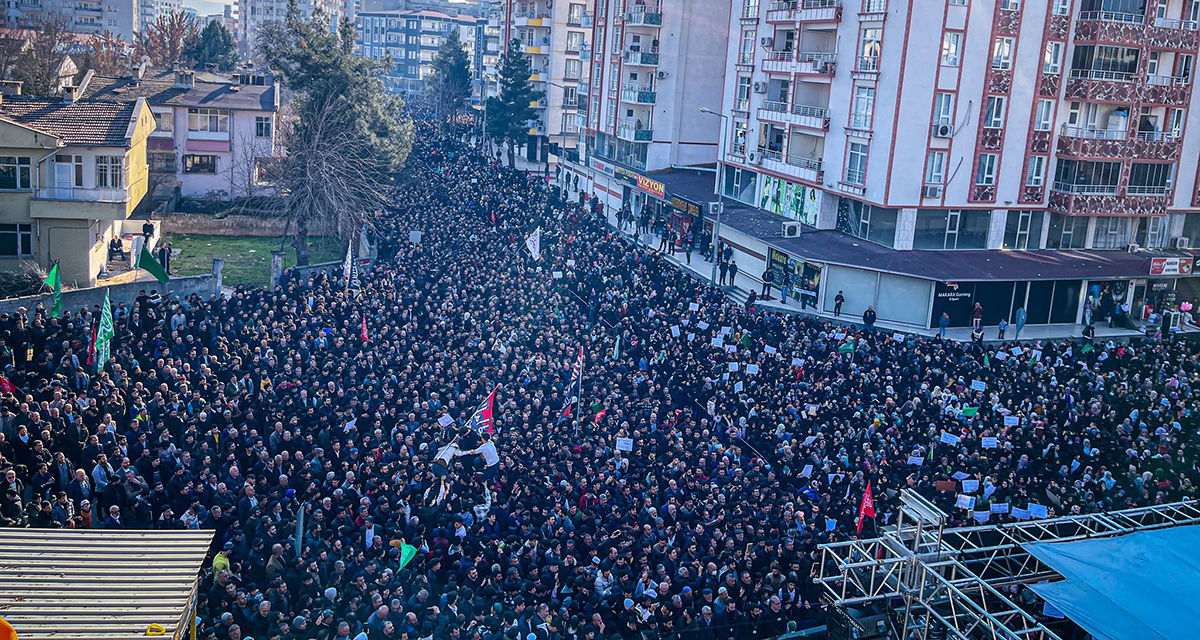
716	241
562	125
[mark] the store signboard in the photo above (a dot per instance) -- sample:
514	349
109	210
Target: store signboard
641	182
805	276
602	166
1171	266
683	205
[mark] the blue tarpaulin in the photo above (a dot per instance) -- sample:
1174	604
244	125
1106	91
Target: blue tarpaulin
1142	585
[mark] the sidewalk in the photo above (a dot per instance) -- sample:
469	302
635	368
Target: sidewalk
740	291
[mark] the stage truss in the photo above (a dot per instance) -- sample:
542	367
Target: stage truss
960	579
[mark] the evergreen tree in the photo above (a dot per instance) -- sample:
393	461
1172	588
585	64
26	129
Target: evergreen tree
347	136
450	84
509	115
215	46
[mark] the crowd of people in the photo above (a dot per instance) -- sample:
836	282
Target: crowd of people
680	490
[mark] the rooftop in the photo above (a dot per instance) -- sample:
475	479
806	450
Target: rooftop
90	123
211	90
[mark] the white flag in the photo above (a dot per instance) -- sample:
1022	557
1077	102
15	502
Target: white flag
534	243
349	261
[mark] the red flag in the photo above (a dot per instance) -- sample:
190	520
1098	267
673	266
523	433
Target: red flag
365	338
600	416
482	419
867	508
6	386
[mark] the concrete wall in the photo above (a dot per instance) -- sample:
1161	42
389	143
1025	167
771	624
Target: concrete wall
74	300
199	224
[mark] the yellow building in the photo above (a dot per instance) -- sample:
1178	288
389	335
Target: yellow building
71	173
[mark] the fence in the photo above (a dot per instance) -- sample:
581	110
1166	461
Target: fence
73	300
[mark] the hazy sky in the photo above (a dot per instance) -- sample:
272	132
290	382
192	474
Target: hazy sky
205	7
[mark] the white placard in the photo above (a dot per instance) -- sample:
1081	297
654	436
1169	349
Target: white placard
675	332
959	475
771	350
702	324
733	366
978	385
718	342
797	362
965	501
1016	352
751	368
737	388
1020	514
1001	355
916	461
557	275
624	444
949	438
999	507
570	262
970	486
809	440
989	442
1038	511
898	337
695	306
1011	421
731	348
807	471
982	516
445	421
691	337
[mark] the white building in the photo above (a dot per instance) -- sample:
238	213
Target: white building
151	10
215	133
119	17
253	14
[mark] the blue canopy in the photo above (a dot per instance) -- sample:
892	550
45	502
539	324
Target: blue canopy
1142	585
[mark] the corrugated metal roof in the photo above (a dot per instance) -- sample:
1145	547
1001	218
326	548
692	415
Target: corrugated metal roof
65	584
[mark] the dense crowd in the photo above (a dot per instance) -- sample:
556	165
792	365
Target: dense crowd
308	426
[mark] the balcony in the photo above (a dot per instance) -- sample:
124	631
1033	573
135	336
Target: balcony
807	116
632	131
787	11
587	20
816	64
635	94
88	26
766	154
86	204
642	16
806	168
29	5
1075	199
782	12
585	54
778	62
89	10
866	67
1086	142
641	59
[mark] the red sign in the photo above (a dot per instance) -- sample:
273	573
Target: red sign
1171	266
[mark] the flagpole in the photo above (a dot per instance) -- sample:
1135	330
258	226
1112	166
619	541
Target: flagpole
579	402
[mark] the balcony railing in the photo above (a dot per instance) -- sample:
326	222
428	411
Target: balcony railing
84	195
633	132
810	111
638	95
860	121
867	64
1170	23
811	62
1085	189
1165	81
1148	190
746	57
1108	76
750	11
641	58
640	15
779	106
738	150
1158	136
770	154
855	178
1112	16
1091	133
805	163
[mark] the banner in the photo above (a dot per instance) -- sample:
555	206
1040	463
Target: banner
534	244
790	200
805	277
1171	266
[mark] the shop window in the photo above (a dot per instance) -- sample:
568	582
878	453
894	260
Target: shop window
1022	230
951	229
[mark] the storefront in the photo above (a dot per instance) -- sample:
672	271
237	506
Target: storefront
1044	301
684	218
804	277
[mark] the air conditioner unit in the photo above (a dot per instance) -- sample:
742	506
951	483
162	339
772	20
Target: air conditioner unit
755	158
932	191
943	130
1133	247
1179	243
662	75
760	87
791	230
766	42
714	208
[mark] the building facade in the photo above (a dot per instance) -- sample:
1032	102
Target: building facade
252	15
215	134
151	10
71	174
90	17
411	39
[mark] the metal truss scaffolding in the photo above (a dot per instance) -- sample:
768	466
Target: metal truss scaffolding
955	582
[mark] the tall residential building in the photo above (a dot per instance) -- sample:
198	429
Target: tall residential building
151	10
411	39
253	14
119	17
557	37
1024	155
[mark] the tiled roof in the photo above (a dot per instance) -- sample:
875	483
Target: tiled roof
89	123
159	90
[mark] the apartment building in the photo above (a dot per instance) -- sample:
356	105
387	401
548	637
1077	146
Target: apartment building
557	37
215	133
253	14
71	173
151	10
411	39
119	17
921	157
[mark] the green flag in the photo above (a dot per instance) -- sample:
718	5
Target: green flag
970	411
848	347
407	553
54	281
1086	348
146	261
987	362
104	333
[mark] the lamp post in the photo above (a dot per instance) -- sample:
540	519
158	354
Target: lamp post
562	125
716	240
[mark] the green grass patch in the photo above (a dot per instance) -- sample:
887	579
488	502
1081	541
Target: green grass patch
247	259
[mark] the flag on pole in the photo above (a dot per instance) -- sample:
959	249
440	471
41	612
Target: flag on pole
849	346
601	414
574	387
534	244
867	508
54	281
348	262
407	553
6	386
104	333
147	263
481	420
365	338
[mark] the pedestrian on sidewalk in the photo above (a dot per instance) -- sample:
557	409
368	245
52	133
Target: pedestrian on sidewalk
786	285
768	276
943	322
837	303
1002	327
724	267
1089	334
869	319
733	273
690	245
977	316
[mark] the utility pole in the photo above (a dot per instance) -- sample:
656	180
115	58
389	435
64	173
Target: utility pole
718	206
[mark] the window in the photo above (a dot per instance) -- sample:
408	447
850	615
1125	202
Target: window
856	164
940	229
986	175
210	120
1112	232
575	13
951	46
16	240
935	169
864	107
746	53
1062	7
570	97
993	113
870	45
71	172
1035	175
262	126
943	108
1002	53
875	224
1044	116
1052	59
164	122
574	40
1022	230
1175	122
573	69
743	94
14	173
199	164
110	172
161	162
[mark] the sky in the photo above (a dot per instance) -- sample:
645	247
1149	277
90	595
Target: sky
205	7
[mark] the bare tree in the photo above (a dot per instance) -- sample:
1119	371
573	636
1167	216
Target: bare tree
169	38
39	63
108	53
